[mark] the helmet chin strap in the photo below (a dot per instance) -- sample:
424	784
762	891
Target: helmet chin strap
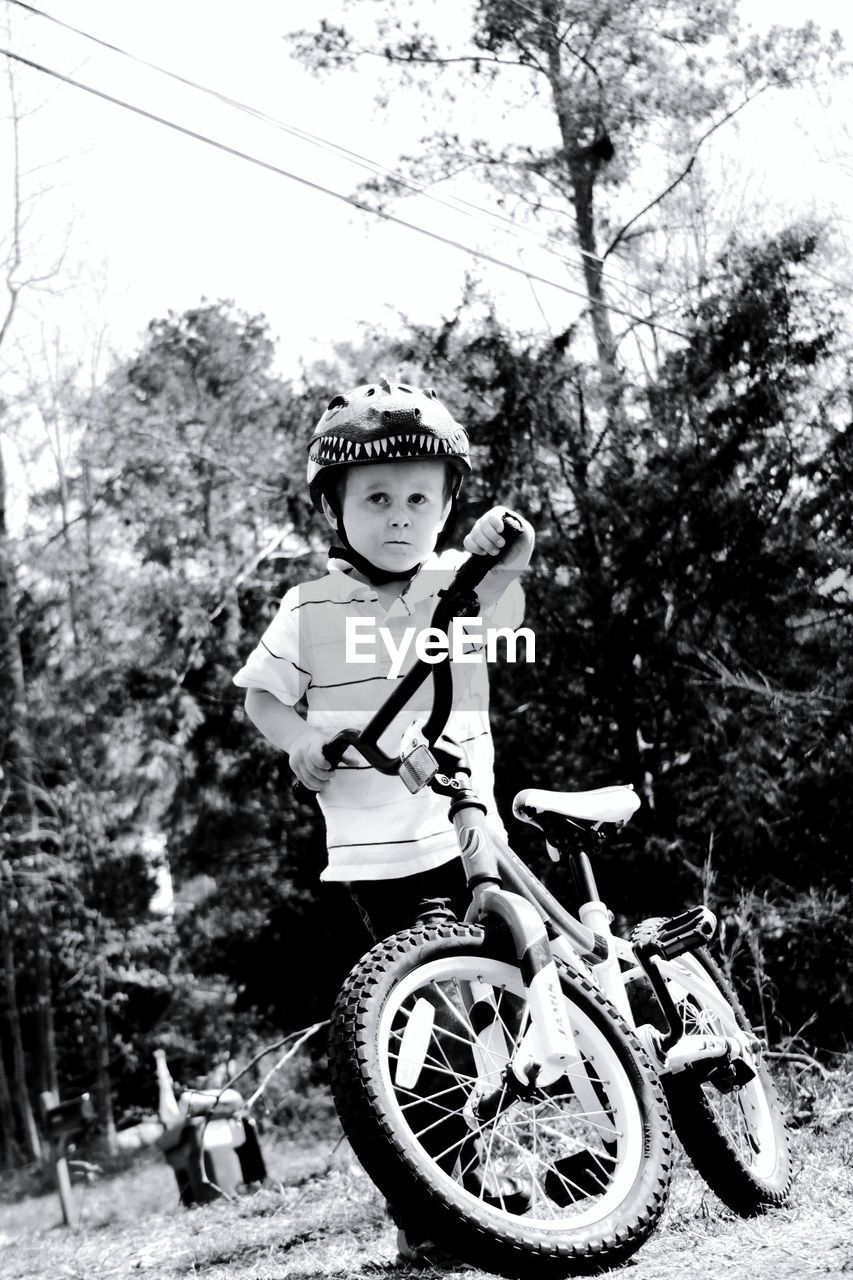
379	577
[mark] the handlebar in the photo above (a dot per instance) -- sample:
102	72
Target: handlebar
457	600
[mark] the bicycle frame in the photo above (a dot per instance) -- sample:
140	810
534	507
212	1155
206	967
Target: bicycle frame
506	891
615	964
550	1050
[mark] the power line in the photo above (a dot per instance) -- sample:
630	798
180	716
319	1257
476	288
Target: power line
456	203
337	195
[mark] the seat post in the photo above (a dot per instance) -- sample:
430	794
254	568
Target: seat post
569	839
584	875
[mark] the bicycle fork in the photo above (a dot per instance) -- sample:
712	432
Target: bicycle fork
543	1049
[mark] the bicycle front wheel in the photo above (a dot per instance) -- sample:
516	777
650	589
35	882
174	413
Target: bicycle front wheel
735	1136
568	1176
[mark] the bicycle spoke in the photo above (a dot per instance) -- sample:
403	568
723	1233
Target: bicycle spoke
516	1037
437	1043
560	1135
423	1097
428	1100
586	1116
435	1065
531	1160
465	1020
492	1138
460	1039
551	1164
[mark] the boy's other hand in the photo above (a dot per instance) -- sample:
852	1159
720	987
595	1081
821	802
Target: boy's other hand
486	538
308	762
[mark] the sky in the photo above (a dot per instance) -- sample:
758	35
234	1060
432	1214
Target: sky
169	220
153	221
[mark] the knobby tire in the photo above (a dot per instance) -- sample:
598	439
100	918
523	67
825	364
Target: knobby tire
597	1171
737	1141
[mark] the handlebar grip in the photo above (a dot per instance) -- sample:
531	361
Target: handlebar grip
303	793
478	565
334	753
512	531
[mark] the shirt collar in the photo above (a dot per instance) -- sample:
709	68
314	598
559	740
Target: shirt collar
345	585
421	587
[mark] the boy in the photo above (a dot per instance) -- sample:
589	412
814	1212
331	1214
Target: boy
385	466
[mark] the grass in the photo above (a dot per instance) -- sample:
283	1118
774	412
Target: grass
321	1217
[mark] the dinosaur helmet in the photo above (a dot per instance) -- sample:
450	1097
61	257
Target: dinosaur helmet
383	422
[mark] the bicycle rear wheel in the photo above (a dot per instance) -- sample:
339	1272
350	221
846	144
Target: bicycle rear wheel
735	1136
569	1177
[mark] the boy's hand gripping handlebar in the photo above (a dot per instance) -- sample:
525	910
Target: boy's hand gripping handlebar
457	600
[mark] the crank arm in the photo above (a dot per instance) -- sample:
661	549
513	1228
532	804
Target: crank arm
702	1055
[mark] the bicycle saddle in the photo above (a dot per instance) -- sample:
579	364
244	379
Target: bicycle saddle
605	804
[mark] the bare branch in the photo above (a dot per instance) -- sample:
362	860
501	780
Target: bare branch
388	55
718	124
12	284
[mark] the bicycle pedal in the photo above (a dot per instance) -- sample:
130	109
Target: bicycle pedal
728	1076
686	932
574	1177
511	1194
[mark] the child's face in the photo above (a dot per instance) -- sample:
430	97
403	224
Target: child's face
393	511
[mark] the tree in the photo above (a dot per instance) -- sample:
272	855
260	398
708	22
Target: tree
162	504
603	84
686	638
678	487
197	450
26	811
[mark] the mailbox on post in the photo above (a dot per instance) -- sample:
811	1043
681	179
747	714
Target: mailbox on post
64	1122
70	1119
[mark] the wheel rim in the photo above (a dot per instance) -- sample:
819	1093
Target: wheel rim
743	1117
576	1162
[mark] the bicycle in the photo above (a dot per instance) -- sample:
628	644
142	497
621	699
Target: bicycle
526	1043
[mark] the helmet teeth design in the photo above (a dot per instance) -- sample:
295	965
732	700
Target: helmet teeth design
384	422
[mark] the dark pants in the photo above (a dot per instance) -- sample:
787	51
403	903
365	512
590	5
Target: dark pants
386	906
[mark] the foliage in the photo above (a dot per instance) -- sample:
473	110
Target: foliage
129	634
567	107
690	594
680	599
687	642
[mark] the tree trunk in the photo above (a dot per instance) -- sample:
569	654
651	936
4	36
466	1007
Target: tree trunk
103	1088
20	1093
582	168
583	187
9	1151
64	507
15	748
16	758
48	1067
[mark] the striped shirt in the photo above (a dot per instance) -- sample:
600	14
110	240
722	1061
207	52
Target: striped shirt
375	828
